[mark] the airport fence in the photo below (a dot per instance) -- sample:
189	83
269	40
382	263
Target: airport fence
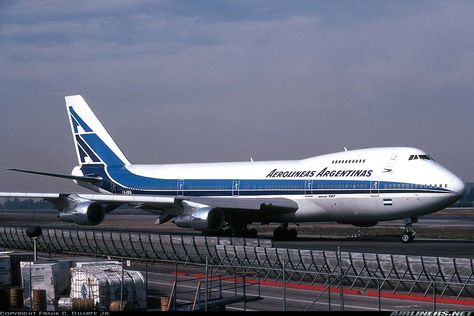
106	285
329	294
445	277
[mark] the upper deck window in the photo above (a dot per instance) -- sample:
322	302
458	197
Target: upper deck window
348	161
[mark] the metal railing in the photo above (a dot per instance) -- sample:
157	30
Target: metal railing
396	273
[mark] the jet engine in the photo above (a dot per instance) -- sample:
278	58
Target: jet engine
203	219
85	213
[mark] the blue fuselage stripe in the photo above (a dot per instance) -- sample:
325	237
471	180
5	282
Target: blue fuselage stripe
124	180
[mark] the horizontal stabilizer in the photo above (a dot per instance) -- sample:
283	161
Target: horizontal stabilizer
89	179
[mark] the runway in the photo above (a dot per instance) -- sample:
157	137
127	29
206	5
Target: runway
382	239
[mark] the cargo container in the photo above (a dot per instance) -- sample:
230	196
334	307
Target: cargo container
52	276
104	286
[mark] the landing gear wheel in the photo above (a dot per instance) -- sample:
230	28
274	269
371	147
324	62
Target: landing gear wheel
407	237
408	233
278	234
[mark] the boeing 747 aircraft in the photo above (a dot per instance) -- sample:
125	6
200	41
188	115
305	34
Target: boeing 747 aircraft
358	187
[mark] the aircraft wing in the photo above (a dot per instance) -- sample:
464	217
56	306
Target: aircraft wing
29	195
262	205
173	205
116	199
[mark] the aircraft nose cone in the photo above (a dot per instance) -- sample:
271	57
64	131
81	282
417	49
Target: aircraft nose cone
458	186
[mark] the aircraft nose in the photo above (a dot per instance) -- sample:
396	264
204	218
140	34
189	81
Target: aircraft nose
458	186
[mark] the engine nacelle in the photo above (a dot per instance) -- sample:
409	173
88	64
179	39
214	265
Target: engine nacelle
203	219
85	213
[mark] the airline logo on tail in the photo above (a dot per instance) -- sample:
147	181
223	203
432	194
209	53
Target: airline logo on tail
79	127
93	144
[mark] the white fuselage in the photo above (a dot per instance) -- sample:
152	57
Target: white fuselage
361	187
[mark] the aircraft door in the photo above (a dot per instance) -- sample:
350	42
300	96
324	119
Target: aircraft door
235	187
374	188
308	187
180	188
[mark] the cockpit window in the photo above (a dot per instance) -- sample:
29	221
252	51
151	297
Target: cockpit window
422	157
425	157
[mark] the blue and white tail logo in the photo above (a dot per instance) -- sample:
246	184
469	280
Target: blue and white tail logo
93	144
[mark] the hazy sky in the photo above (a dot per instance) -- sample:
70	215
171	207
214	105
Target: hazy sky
203	81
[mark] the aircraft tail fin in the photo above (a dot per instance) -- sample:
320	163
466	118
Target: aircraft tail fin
93	143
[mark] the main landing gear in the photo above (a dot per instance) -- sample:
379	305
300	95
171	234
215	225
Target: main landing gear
284	234
250	233
241	230
408	233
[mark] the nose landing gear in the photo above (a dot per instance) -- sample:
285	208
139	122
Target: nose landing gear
408	233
